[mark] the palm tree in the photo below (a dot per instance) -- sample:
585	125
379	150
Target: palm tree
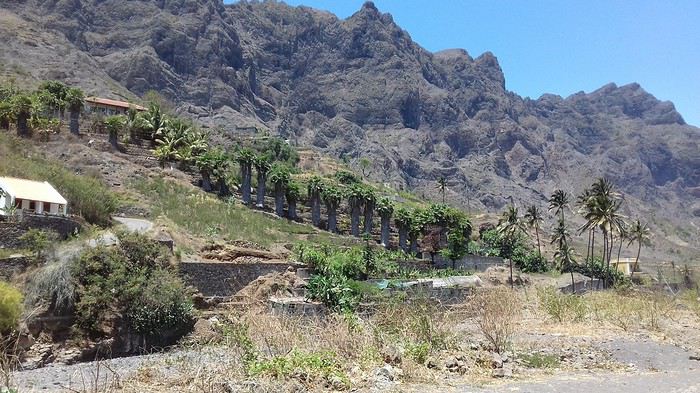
533	219
639	233
442	186
54	96
332	197
510	226
293	193
314	190
369	199
385	207
75	100
419	218
114	125
558	202
262	166
245	158
355	195
585	205
565	258
560	235
403	221
279	177
206	163
22	109
222	164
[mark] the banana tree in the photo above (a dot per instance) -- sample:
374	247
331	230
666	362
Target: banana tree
356	196
293	193
206	163
369	200
385	208
279	177
6	116
332	197
245	158
262	166
314	189
403	220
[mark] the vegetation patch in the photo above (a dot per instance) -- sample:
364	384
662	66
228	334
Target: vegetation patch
539	360
10	306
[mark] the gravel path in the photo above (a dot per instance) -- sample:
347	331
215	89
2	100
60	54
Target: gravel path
137	225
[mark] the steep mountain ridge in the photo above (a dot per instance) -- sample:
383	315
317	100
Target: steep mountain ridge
360	87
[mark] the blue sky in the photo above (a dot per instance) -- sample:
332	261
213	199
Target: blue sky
564	46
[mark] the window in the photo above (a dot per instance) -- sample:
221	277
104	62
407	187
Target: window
47	207
18	203
32	205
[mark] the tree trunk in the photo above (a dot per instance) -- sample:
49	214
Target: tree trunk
539	249
22	127
386	219
636	260
245	183
512	283
224	191
260	195
75	123
292	209
332	219
5	124
316	209
588	246
113	140
573	284
403	234
206	181
414	245
355	220
369	217
279	199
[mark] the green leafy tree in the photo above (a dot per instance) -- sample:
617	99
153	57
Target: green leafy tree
510	226
54	96
114	126
314	190
442	187
75	100
457	247
356	196
566	261
292	193
403	220
365	165
279	177
262	167
332	197
385	208
533	219
245	158
22	109
638	233
38	242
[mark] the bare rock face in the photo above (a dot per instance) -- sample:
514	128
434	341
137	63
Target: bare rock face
362	87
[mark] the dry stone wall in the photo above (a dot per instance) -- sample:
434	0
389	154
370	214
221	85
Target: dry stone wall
12	230
224	278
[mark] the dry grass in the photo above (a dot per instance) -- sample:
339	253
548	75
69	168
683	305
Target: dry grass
497	313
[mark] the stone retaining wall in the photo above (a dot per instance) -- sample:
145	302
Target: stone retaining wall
476	263
12	266
11	231
225	278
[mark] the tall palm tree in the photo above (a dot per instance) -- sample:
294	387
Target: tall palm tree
565	258
262	167
279	177
369	200
245	158
510	226
558	202
442	186
533	219
292	193
584	204
403	220
356	196
385	208
641	234
332	197
22	109
314	189
114	125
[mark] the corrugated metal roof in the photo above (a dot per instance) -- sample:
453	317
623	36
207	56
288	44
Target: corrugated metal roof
31	190
115	103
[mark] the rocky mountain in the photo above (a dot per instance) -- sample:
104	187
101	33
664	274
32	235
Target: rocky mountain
361	87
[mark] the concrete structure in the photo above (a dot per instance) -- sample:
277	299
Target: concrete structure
31	197
109	107
624	265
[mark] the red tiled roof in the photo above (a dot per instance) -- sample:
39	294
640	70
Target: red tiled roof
114	103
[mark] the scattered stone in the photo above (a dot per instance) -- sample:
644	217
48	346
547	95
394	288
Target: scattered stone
694	357
388	373
496	360
504	372
392	355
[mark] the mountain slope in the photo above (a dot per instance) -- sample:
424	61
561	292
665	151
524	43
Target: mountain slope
360	87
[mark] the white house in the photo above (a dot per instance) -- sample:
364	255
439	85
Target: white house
31	197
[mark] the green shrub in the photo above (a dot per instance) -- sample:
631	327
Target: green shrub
562	307
302	366
539	360
37	241
132	281
10	306
346	177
